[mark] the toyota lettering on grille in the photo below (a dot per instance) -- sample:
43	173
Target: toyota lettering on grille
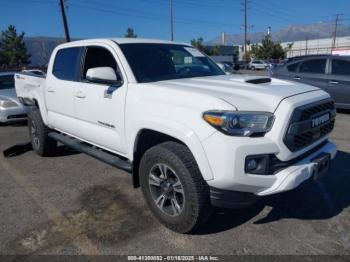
317	121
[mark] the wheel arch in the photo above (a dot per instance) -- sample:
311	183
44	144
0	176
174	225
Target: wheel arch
146	138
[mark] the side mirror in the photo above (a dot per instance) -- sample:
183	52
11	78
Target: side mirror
102	75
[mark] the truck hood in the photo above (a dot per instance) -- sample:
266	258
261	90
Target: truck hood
250	93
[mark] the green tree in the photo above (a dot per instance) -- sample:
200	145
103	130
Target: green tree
13	51
268	49
215	50
130	33
198	43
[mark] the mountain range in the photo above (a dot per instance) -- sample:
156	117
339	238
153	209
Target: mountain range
40	48
290	33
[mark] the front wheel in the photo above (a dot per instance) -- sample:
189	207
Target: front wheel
174	188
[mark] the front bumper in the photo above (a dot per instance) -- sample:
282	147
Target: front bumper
241	189
13	114
228	164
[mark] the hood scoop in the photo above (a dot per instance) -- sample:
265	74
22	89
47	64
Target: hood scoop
257	81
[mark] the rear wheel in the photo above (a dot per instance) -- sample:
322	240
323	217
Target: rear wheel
174	188
42	144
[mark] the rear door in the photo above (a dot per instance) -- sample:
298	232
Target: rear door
313	72
339	81
59	90
100	116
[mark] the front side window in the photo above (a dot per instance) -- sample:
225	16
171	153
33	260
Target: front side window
7	82
341	67
66	66
99	57
157	62
315	66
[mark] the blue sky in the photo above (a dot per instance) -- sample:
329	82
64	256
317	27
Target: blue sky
150	18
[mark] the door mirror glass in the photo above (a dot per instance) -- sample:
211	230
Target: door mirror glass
103	75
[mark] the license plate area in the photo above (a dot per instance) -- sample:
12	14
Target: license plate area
322	163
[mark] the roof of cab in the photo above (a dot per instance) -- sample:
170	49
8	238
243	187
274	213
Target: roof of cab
121	41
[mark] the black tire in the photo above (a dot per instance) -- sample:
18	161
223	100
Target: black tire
42	144
196	208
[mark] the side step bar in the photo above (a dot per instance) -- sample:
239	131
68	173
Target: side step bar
97	153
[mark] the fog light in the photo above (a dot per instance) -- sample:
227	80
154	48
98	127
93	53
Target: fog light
257	164
252	164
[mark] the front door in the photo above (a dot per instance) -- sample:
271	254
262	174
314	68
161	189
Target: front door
99	107
312	72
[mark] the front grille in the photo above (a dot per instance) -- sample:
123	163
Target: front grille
300	132
306	113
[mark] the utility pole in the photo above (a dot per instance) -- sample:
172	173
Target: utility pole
171	20
337	18
65	24
245	6
306	39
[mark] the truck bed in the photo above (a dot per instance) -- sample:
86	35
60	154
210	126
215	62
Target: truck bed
29	87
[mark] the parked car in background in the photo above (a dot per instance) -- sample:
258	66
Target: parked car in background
10	108
330	73
242	64
258	64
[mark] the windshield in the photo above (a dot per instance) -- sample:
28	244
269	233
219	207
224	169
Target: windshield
156	62
7	82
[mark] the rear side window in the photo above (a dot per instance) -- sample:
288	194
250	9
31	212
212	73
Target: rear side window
316	66
66	66
293	67
340	67
7	82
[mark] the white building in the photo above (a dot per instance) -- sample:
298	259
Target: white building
314	47
317	46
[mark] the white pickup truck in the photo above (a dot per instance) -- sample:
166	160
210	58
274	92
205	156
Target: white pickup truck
191	136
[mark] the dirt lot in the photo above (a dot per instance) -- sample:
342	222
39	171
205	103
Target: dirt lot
73	204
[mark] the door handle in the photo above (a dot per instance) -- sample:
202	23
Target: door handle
296	77
80	95
333	82
50	89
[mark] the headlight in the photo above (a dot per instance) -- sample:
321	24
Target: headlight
235	123
7	104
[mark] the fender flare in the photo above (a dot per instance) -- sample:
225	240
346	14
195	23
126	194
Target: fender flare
177	131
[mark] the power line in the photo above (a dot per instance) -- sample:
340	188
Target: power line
144	15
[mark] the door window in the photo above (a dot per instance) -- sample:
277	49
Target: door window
66	66
315	66
340	67
99	57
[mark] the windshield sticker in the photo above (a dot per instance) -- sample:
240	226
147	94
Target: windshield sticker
194	52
